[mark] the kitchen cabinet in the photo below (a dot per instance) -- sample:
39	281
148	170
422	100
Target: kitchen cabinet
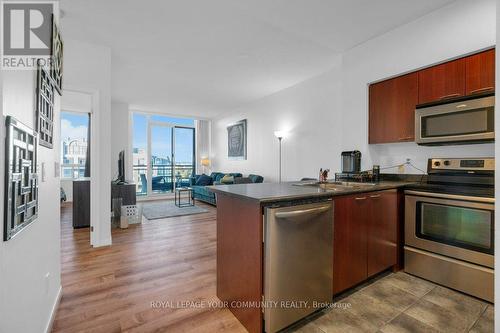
365	237
349	242
392	102
392	109
442	81
382	232
480	72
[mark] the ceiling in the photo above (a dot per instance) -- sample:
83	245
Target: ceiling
205	57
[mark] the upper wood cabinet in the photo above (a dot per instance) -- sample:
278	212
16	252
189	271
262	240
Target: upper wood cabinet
392	109
480	72
392	102
442	81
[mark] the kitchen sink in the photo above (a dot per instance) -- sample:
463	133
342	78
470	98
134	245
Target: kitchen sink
337	186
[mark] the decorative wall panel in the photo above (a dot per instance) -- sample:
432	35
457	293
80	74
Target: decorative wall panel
21	178
56	69
45	108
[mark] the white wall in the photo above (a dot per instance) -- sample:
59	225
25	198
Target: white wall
88	69
30	271
329	113
121	138
307	111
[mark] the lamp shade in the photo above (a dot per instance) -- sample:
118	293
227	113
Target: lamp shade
205	162
279	134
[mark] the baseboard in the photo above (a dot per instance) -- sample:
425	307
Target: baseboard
104	242
48	329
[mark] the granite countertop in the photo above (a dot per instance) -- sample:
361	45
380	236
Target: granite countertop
274	192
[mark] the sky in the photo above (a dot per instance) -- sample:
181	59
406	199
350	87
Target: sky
74	125
161	137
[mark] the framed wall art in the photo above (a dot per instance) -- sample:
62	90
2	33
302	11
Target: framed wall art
237	140
45	108
21	178
56	68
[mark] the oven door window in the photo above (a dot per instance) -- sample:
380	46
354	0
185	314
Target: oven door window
463	227
474	121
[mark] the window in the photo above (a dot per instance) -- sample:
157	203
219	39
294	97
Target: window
74	144
163	153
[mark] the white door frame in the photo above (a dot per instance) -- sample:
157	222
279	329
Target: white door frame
94	159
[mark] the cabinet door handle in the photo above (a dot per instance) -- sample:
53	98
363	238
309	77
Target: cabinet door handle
450	96
482	89
405	138
375	196
360	198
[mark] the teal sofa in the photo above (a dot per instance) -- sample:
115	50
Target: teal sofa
201	192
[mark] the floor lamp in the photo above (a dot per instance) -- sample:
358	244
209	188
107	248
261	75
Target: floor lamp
280	135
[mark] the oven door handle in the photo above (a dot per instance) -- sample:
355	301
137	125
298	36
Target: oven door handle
451	196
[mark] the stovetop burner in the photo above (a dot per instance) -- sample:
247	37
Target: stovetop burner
473	191
469	177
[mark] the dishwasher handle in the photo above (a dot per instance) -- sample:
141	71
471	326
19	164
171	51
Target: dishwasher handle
302	212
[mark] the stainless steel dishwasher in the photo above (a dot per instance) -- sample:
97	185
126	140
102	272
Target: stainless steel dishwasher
298	260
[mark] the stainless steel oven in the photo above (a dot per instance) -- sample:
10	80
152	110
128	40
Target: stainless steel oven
462	121
455	226
449	240
450	225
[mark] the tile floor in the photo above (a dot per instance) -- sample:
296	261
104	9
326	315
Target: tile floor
402	303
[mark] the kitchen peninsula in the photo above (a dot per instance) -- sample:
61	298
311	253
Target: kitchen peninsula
257	253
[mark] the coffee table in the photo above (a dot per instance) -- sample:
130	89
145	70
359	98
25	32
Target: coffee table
188	201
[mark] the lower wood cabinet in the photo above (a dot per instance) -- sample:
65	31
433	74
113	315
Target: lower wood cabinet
365	237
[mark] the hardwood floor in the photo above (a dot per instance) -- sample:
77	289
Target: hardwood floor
120	288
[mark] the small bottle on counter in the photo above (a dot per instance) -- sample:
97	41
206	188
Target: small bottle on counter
376	173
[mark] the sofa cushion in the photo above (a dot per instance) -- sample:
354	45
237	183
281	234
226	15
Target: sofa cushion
227	179
242	180
256	178
202	190
204	180
216	176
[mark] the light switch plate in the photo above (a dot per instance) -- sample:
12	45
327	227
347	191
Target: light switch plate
57	169
43	172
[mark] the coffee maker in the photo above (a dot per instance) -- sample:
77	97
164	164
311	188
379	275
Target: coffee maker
351	162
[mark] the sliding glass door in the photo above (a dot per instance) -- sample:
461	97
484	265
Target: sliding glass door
163	153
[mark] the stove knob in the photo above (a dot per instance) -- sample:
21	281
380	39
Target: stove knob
437	163
446	162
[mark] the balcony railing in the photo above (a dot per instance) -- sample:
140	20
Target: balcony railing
72	171
163	177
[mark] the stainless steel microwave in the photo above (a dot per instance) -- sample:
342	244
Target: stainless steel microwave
459	122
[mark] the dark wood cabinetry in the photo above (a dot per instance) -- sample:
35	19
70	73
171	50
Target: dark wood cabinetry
392	102
382	232
392	109
365	234
480	73
442	81
349	242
